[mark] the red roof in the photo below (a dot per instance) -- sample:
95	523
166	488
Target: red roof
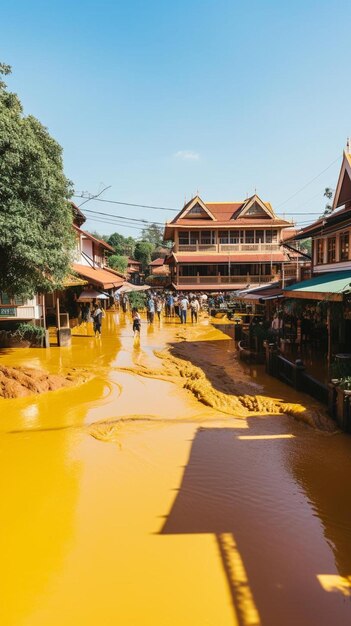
99	241
240	221
104	278
156	262
233	258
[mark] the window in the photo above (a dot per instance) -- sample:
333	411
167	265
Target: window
259	236
236	236
184	237
194	237
320	251
331	249
4	298
196	210
250	236
271	236
207	237
223	236
344	247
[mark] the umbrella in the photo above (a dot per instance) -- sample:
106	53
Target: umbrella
88	295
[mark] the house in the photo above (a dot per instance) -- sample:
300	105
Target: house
331	238
159	273
90	257
322	304
134	273
226	245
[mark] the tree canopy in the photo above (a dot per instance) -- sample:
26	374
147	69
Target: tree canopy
123	246
143	251
36	235
153	234
118	262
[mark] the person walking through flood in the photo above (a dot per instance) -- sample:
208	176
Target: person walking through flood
97	316
159	306
183	305
194	309
150	305
124	302
136	320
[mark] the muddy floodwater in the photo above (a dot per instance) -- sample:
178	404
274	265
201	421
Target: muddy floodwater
167	493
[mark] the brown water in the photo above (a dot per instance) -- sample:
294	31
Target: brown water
157	494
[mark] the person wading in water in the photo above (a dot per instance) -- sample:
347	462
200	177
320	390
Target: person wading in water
97	320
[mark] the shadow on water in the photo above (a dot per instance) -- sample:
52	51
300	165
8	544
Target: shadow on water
270	542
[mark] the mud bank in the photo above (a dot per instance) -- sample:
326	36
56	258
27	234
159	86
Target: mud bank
221	392
18	382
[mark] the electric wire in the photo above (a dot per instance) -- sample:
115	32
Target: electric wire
280	204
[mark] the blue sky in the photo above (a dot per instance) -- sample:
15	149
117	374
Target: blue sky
161	100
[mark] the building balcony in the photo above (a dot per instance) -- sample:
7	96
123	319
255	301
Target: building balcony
227	248
247	279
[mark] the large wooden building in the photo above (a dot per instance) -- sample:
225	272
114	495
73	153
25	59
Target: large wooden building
226	245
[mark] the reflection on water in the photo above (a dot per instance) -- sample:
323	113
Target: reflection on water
128	501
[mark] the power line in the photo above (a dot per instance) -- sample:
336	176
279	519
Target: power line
309	182
94	197
122	217
102	221
142	206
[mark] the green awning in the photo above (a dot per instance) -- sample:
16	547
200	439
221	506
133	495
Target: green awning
331	286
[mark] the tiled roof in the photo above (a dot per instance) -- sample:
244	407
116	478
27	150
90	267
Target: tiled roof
104	278
240	221
156	262
99	241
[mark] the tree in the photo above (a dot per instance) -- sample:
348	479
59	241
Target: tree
118	262
328	193
143	251
153	234
97	235
124	246
36	235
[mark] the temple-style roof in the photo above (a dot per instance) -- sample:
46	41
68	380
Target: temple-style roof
251	212
343	188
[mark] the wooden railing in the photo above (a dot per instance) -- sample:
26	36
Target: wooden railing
223	280
227	248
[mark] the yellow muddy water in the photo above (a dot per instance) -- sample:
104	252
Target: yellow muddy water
163	493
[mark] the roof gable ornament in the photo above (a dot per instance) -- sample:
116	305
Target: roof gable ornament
255	207
196	208
343	188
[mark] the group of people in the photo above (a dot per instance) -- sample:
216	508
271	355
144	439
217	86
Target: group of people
173	305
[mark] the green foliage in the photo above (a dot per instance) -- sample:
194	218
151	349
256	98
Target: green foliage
143	251
36	235
118	262
328	193
341	370
305	245
97	235
30	332
124	246
137	299
153	234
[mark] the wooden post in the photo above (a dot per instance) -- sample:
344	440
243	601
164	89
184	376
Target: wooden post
329	339
58	313
43	312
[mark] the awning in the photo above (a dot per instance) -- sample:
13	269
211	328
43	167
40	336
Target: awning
73	281
128	288
90	294
102	278
331	286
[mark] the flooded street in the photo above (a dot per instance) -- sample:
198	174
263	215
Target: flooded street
141	498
